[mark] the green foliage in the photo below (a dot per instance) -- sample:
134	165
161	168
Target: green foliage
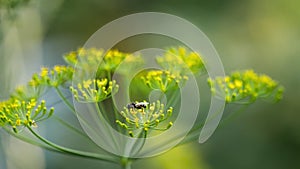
10	4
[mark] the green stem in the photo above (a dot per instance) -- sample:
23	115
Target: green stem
140	147
100	112
233	115
73	110
28	140
173	100
69	126
126	163
75	152
32	142
109	78
65	100
108	75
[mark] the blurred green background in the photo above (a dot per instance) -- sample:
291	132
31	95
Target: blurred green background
261	35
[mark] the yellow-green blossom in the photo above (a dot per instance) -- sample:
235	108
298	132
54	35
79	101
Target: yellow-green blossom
84	58
55	77
28	92
146	118
163	80
39	82
181	60
17	114
96	59
246	87
112	59
94	90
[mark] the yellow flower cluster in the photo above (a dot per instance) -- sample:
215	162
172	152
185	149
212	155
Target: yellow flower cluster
88	59
112	59
246	87
18	114
84	58
163	80
27	92
146	118
94	90
181	60
55	77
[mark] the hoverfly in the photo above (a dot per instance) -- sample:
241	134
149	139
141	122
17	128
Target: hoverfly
138	105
